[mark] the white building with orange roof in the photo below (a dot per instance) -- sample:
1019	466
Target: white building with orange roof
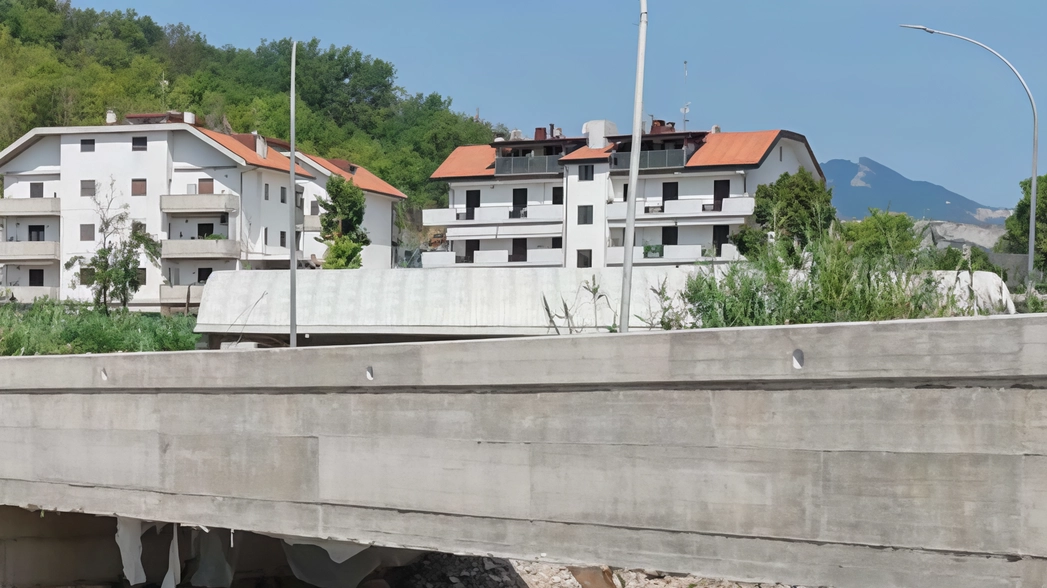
561	202
216	202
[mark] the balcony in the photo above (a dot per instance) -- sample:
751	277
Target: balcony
535	213
651	159
651	211
31	293
532	164
311	223
30	207
494	258
674	254
28	251
200	249
175	295
198	203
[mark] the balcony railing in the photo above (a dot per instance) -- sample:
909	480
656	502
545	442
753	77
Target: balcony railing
198	203
535	213
200	249
493	258
174	295
651	159
531	164
738	205
31	293
30	207
15	251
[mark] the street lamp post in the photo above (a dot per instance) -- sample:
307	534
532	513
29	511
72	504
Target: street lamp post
1035	137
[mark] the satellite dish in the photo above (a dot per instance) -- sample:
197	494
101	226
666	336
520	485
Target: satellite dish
686	108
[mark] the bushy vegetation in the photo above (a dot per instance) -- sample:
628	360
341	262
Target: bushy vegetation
1016	240
47	327
341	224
62	65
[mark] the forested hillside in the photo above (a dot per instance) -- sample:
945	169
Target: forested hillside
61	65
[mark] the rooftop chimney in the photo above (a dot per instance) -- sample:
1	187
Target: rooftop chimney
110	117
539	134
715	129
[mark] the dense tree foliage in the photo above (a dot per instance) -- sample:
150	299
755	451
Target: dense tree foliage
796	206
1016	240
61	65
341	224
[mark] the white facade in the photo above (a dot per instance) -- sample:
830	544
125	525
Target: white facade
213	203
685	213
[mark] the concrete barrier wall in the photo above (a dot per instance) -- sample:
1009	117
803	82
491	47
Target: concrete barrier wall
891	454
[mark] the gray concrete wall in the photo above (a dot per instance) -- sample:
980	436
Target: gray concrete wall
56	549
897	454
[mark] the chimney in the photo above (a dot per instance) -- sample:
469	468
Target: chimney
552	130
539	134
189	118
656	126
110	117
715	129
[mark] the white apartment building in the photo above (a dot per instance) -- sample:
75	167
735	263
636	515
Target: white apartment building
216	202
561	202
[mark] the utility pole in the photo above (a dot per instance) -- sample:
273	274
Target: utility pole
634	173
293	201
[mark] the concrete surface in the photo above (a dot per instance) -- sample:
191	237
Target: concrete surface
907	453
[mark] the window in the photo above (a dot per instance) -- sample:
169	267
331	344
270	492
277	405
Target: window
283	194
625	192
36	277
283	238
224	219
781	156
36	232
87	145
585	258
87	276
87	232
265	236
670	191
670	235
519	197
585	214
141	276
472	199
139	143
558	195
585	173
87	188
36	190
471	247
557	242
299	199
138	187
206	186
267	191
203	273
314	208
204	230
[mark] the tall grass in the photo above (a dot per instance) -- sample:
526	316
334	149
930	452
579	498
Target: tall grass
47	327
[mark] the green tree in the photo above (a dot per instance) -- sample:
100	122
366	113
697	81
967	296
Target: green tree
882	233
341	224
796	206
112	272
1016	239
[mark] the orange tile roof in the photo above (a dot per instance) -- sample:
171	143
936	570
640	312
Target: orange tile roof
363	179
273	159
468	161
586	153
747	148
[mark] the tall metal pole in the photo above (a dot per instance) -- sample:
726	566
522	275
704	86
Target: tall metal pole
293	201
1035	138
634	172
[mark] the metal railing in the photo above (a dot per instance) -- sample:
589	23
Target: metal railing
530	164
651	159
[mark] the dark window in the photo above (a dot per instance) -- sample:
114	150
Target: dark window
558	195
721	235
223	219
585	214
204	230
36	277
141	276
472	199
139	143
670	191
471	247
780	155
314	208
519	252
87	232
557	242
36	232
283	194
202	274
585	258
265	236
283	238
87	145
519	197
87	187
670	236
299	199
585	173
36	190
206	186
87	276
138	187
625	192
267	191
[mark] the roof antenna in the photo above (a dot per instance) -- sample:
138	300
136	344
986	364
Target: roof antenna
686	107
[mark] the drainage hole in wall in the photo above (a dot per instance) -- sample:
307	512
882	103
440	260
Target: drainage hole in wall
798	359
370	373
104	375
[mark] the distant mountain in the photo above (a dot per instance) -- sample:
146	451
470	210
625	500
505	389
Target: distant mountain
857	187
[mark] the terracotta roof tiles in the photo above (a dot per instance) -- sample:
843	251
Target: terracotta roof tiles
468	161
273	159
588	153
747	148
363	179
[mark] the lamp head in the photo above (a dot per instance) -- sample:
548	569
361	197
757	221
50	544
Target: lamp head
919	28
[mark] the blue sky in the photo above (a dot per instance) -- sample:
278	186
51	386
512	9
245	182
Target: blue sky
839	71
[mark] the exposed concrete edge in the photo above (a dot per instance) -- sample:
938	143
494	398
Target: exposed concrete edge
747	559
1009	349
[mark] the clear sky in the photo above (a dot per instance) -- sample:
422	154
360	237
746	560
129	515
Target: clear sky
839	71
